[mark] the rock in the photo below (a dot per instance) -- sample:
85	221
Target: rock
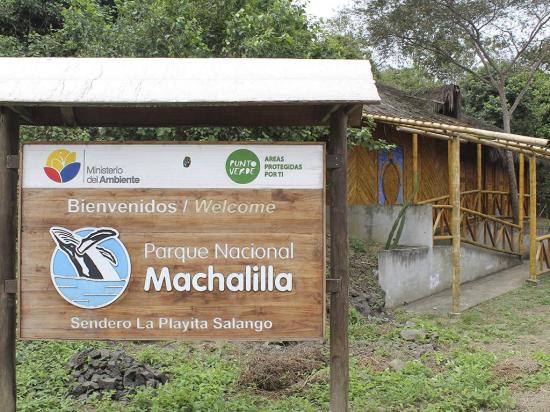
119	395
78	390
413	334
410	324
78	359
107	383
397	364
98	370
148	374
89	386
162	378
114	372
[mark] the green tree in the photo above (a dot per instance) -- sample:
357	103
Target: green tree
532	116
176	28
453	37
407	78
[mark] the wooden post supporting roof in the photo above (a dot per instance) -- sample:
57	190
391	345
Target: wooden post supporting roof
521	212
454	172
479	176
339	362
533	218
416	176
9	130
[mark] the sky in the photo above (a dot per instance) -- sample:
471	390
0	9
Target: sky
325	8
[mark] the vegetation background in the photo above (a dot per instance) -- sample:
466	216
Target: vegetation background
495	357
278	28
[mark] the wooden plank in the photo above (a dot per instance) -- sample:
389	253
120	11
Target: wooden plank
68	115
55	207
339	351
294	315
197	116
201	247
9	133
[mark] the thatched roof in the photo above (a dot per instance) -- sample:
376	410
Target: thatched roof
440	105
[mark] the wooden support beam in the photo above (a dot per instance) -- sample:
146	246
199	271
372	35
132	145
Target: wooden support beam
416	175
68	115
9	144
521	213
454	171
24	112
532	218
329	113
339	351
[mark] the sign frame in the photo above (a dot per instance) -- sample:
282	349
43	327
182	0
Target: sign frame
184	338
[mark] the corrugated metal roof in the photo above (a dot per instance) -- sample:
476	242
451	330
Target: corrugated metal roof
185	82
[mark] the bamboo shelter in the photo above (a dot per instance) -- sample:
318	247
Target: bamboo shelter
455	159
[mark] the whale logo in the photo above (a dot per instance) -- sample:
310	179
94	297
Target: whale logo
90	267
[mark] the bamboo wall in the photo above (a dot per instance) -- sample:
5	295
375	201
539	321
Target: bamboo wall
432	159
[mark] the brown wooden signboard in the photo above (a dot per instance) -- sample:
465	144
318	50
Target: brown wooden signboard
172	241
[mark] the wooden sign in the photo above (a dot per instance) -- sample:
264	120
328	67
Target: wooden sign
172	241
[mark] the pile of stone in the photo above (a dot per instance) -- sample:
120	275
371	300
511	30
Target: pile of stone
100	370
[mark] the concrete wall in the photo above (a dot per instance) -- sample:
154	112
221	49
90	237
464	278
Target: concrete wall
372	223
410	274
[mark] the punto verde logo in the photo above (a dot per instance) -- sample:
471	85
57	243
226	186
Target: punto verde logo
242	166
61	166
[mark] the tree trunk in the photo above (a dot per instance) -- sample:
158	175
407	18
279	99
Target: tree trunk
511	170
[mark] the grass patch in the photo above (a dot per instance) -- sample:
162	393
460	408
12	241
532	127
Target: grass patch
540	377
460	366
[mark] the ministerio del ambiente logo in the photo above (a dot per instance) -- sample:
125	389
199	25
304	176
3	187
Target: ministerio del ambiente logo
61	166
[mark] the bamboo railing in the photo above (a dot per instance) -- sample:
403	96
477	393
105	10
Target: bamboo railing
485	220
542	257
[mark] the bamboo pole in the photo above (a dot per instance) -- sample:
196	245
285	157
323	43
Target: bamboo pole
454	172
9	133
438	134
533	219
423	133
463	129
521	190
497	143
339	351
479	177
416	176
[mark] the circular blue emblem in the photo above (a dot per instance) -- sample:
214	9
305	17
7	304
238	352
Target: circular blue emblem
90	267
